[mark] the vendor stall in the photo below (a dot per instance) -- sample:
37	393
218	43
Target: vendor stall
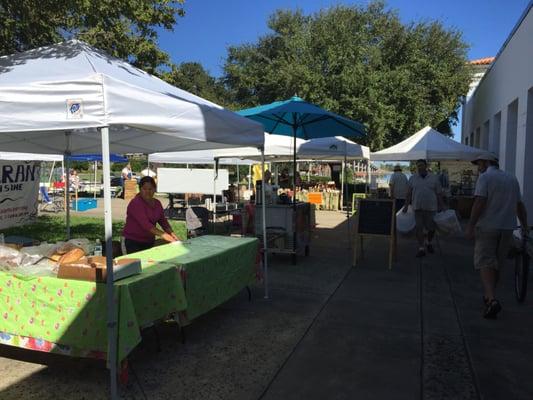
139	113
66	316
431	145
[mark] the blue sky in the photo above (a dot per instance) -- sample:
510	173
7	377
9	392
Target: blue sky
210	26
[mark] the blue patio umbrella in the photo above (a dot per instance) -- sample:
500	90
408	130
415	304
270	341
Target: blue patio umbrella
297	118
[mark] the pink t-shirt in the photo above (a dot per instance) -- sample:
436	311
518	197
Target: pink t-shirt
141	217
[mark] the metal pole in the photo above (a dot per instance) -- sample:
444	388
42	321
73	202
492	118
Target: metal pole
263	211
95	169
294	218
51	173
250	177
110	293
238	183
342	184
214	196
67	182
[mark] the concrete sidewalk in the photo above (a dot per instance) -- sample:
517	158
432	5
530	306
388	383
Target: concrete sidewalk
328	332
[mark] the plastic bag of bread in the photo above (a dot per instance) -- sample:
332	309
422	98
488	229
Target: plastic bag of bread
72	256
9	258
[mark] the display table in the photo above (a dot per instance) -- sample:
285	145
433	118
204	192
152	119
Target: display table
324	200
69	317
213	268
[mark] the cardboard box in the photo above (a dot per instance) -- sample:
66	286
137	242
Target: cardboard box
130	189
122	269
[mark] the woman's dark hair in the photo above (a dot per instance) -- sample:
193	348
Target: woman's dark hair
147	179
422	161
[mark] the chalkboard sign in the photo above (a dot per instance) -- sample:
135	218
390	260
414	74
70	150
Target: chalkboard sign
375	217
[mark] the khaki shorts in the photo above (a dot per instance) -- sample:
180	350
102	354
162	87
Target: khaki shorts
491	248
424	219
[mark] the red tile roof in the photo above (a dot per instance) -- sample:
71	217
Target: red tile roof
482	61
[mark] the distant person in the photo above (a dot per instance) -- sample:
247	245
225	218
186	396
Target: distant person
143	214
425	195
493	218
297	180
125	175
284	180
74	180
399	186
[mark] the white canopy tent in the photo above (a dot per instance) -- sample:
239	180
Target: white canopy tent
10	156
427	144
71	98
281	148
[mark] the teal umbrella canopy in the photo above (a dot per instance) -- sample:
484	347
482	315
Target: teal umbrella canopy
307	120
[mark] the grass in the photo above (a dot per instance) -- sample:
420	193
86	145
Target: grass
53	228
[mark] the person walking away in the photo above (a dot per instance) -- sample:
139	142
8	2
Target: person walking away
493	218
398	185
425	195
125	175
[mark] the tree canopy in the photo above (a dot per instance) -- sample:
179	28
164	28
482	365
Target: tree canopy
192	77
124	28
360	62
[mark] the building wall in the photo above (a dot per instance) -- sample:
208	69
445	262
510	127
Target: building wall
499	114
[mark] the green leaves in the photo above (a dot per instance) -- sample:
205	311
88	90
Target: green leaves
359	62
124	28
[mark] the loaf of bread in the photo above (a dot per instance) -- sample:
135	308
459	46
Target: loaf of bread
72	256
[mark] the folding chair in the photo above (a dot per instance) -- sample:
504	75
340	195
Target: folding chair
49	204
197	221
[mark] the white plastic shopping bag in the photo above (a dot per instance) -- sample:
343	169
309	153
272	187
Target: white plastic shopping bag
447	222
405	222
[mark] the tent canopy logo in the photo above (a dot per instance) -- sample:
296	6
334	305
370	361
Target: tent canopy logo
74	108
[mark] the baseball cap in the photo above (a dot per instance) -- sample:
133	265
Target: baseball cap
485	156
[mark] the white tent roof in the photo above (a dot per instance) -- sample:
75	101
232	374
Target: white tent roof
277	148
427	144
332	148
195	157
9	156
74	87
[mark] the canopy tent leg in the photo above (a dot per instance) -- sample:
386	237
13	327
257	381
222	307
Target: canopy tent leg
214	196
111	314
95	169
343	181
67	182
238	183
263	211
250	177
51	173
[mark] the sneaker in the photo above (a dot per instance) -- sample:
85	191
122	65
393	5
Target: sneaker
492	309
420	253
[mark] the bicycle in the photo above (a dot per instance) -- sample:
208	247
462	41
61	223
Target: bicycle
523	251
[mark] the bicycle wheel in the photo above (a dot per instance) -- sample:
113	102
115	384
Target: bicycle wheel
521	274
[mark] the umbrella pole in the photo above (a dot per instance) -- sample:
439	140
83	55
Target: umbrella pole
263	212
294	218
111	314
238	182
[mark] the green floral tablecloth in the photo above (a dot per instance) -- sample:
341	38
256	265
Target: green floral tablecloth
69	316
213	268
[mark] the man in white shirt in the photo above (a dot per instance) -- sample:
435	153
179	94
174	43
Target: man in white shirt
425	195
493	218
399	186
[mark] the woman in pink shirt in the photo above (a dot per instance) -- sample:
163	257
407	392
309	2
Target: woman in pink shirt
143	213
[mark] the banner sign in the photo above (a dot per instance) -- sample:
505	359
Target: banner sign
19	192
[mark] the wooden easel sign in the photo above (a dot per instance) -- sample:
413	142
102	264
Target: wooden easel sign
375	217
